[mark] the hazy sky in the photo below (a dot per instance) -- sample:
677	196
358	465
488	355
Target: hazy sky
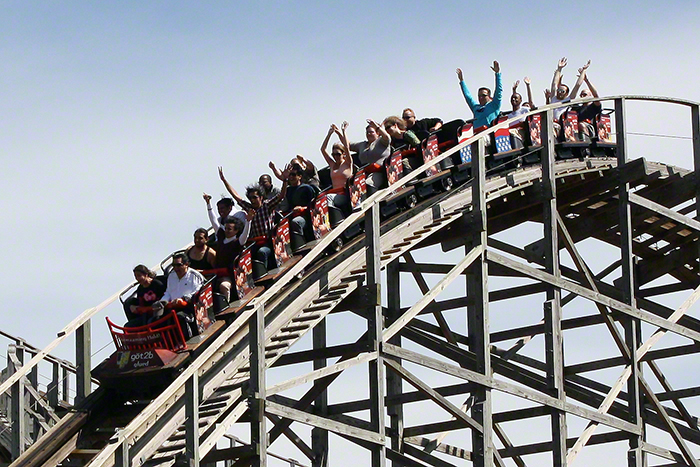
116	114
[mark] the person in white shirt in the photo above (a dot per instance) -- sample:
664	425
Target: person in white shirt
560	92
182	284
224	207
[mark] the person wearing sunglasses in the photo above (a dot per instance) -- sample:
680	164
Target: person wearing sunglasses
486	108
182	284
421	128
263	218
560	92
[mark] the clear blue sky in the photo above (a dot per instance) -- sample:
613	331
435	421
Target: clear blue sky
116	114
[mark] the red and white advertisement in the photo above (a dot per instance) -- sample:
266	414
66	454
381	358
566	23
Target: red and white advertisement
281	242
571	127
319	216
430	152
535	124
604	128
358	189
244	273
394	170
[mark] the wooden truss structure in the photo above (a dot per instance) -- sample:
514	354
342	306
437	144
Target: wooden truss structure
616	243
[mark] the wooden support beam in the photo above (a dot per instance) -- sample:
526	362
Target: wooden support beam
321	373
433	395
308	398
295	439
423	286
319	437
258	430
672	430
394	384
192	399
664	211
424	456
83	363
322	422
463	264
18	402
478	312
508	388
332	351
553	337
375	326
617	387
596	297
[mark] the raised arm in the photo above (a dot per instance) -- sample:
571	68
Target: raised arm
229	188
591	88
243	236
383	134
515	86
305	163
465	91
344	139
276	171
557	76
526	80
283	191
210	212
579	81
498	93
324	146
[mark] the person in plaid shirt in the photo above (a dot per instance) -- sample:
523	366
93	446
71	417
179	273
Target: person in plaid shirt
264	218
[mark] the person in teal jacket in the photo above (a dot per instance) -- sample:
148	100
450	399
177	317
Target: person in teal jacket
487	109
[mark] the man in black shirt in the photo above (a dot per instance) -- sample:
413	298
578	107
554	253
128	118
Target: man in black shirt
299	197
421	128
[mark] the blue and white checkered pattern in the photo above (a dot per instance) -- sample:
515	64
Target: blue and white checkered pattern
466	154
503	143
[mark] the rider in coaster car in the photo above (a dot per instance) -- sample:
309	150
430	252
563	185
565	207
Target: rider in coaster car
263	220
183	283
341	168
487	108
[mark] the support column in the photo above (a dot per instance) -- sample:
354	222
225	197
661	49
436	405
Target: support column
52	388
319	436
121	456
554	341
83	362
18	401
393	381
478	316
258	429
374	334
695	123
636	456
192	420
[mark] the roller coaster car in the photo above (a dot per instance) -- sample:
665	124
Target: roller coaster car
533	140
282	249
571	146
603	145
245	287
506	149
462	168
437	178
148	357
403	198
